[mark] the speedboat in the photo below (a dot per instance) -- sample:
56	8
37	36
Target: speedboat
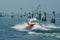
33	24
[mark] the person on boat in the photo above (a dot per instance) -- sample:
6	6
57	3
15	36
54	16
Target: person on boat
31	22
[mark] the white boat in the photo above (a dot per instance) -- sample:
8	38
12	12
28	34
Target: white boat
33	24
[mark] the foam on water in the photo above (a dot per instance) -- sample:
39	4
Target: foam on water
39	27
55	35
50	26
20	27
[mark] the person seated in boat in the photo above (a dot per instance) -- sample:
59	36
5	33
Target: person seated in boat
31	22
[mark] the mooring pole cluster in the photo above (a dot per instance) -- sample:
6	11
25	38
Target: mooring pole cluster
44	16
53	17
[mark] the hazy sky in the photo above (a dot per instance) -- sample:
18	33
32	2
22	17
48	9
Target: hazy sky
29	5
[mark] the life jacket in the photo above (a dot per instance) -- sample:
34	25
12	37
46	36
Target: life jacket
30	25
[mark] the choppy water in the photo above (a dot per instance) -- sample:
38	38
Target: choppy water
7	33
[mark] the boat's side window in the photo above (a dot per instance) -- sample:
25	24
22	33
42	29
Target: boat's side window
32	21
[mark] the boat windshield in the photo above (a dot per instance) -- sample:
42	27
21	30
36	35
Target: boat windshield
34	21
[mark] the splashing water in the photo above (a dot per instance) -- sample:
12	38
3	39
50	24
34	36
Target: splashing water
22	27
55	35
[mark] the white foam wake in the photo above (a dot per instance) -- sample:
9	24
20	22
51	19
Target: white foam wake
55	35
20	27
37	26
51	26
46	27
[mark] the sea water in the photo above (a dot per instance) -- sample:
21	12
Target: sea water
9	33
